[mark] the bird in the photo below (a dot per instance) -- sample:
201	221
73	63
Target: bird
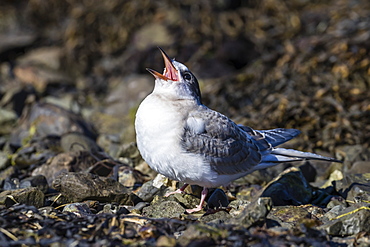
184	140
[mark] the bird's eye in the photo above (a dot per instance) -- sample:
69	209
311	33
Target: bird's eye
187	76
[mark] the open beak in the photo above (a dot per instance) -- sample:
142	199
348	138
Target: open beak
170	72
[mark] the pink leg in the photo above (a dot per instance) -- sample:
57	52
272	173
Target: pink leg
181	191
202	199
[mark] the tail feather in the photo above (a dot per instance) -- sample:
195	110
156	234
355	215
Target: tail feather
291	153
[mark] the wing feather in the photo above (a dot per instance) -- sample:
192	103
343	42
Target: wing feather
220	141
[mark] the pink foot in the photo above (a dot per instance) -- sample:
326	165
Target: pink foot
200	206
181	191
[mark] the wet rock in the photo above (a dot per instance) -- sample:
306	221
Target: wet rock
44	119
29	196
290	188
253	213
352	220
218	199
38	181
85	186
79	209
164	209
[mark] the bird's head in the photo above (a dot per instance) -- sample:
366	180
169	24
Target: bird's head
177	82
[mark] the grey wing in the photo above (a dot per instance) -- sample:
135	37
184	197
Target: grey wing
220	141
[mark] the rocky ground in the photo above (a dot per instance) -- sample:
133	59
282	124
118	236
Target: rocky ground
72	74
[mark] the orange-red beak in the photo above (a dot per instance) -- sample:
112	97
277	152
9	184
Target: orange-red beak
170	72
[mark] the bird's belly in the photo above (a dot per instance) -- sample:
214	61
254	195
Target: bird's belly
158	133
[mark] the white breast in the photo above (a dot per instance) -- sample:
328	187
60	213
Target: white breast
159	127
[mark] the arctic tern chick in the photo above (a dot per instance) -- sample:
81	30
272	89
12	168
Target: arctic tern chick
184	140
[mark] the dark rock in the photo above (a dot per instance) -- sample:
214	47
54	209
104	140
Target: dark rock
38	181
44	119
290	188
164	209
29	196
308	171
85	186
218	199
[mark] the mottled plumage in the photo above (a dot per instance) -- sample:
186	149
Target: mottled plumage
184	140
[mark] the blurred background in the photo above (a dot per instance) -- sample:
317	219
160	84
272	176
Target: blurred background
266	64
